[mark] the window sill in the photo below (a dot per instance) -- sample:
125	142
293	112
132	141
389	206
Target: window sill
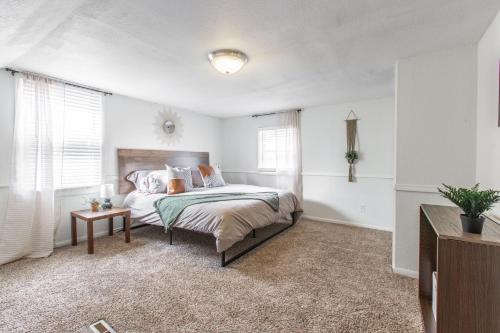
71	191
266	172
78	191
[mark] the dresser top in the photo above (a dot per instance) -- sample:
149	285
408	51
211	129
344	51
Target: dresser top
445	220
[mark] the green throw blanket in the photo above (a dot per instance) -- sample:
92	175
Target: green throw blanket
170	207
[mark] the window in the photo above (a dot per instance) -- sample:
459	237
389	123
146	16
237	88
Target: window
81	145
272	146
76	128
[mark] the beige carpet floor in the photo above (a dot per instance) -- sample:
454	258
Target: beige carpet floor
315	277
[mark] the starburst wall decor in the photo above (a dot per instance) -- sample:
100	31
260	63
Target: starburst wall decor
168	126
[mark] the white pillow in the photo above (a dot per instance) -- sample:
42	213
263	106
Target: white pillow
157	182
150	184
149	181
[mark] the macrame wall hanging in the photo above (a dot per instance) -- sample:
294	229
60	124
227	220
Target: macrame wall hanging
351	154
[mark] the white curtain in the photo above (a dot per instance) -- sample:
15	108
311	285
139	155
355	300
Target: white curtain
28	229
289	160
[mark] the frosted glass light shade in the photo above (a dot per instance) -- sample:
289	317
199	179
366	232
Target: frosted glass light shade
107	190
227	61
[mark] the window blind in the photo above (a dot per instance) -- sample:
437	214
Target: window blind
271	147
76	127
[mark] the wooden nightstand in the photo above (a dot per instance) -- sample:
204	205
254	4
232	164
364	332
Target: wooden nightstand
89	217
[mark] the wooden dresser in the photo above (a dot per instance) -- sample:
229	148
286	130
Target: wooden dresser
468	273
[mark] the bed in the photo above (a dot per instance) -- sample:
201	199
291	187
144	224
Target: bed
228	221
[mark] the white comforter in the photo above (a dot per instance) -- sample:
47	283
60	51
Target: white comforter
228	221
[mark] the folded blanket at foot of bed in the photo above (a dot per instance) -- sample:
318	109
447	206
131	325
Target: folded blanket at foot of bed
170	207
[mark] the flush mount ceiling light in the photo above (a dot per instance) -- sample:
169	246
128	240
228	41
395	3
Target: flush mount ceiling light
227	61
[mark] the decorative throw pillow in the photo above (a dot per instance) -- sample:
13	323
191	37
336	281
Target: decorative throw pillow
149	181
197	179
176	186
150	184
205	170
181	173
136	177
155	182
212	177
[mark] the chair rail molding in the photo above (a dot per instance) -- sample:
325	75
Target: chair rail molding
416	188
312	174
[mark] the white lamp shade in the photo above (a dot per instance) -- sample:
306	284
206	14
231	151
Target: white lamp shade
107	190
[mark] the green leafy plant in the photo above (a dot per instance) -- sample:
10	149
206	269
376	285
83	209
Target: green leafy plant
472	201
351	156
90	201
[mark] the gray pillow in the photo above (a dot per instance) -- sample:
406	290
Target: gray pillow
197	179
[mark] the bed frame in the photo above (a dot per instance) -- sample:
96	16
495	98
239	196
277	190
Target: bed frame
224	262
130	160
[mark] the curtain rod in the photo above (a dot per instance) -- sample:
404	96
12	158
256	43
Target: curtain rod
69	83
270	113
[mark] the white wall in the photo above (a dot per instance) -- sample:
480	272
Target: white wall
128	123
488	130
327	194
435	138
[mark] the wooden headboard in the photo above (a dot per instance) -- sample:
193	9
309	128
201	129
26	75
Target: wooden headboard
130	160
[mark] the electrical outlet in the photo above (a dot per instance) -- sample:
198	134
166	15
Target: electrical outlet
362	208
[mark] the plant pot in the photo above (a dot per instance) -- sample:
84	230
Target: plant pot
472	225
94	207
107	204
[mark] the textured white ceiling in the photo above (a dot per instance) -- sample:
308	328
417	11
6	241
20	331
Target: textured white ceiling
302	52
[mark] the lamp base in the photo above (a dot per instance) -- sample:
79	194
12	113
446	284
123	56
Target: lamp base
107	204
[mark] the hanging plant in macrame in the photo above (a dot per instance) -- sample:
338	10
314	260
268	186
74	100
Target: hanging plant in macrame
351	154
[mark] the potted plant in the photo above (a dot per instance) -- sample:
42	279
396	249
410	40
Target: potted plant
351	157
473	202
93	202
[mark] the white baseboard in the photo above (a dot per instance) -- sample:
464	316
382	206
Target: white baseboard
405	272
349	223
84	237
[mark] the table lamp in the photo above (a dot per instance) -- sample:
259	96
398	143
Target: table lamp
107	191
